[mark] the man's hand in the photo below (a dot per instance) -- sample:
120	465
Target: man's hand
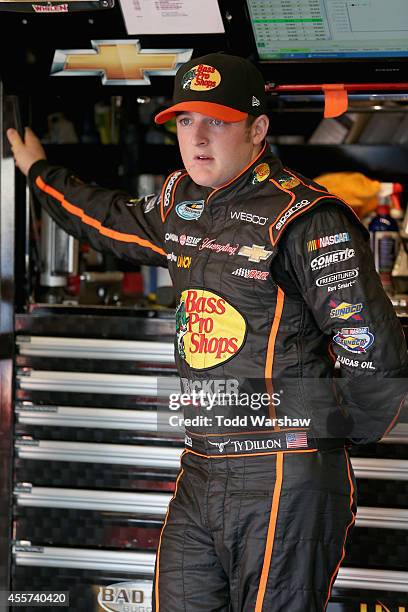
25	152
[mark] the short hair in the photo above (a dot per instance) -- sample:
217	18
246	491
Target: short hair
250	120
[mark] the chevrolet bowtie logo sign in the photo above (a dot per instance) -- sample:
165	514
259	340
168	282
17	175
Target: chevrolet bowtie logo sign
119	62
255	253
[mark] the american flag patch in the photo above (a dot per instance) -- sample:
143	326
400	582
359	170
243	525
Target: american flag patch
296	440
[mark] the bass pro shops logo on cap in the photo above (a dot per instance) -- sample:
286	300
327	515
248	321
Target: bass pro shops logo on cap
201	78
209	330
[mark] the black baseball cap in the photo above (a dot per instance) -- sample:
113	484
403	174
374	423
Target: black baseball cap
222	86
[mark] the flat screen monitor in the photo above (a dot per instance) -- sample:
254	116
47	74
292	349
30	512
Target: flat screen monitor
295	30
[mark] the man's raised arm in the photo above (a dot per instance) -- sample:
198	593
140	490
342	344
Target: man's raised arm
108	220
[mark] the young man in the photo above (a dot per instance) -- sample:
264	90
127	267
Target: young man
275	281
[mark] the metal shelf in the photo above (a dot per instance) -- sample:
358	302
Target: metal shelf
382	518
125	454
88	499
382	469
95	348
143	563
84	558
84	382
94	418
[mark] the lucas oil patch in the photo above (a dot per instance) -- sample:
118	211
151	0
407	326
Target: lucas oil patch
209	330
261	173
201	78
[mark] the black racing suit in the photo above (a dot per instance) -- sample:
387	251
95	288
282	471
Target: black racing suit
275	284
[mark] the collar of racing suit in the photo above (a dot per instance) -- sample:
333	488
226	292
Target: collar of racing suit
265	166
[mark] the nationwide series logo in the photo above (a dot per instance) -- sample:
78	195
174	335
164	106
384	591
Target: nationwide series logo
331	258
201	78
345	311
126	597
190	210
355	339
320	243
209	330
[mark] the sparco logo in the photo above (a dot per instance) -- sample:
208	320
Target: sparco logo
291	212
329	279
221	445
331	258
170	185
243	216
126	597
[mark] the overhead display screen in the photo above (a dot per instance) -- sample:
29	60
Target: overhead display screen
329	29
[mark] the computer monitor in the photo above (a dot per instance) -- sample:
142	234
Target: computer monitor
322	41
329	29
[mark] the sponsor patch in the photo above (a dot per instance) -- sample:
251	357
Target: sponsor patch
209	243
354	363
171	237
55	8
190	241
169	187
209	330
345	311
171	256
190	210
260	173
354	339
333	257
249	217
335	277
288	182
183	261
201	78
256	253
255	274
291	211
320	243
